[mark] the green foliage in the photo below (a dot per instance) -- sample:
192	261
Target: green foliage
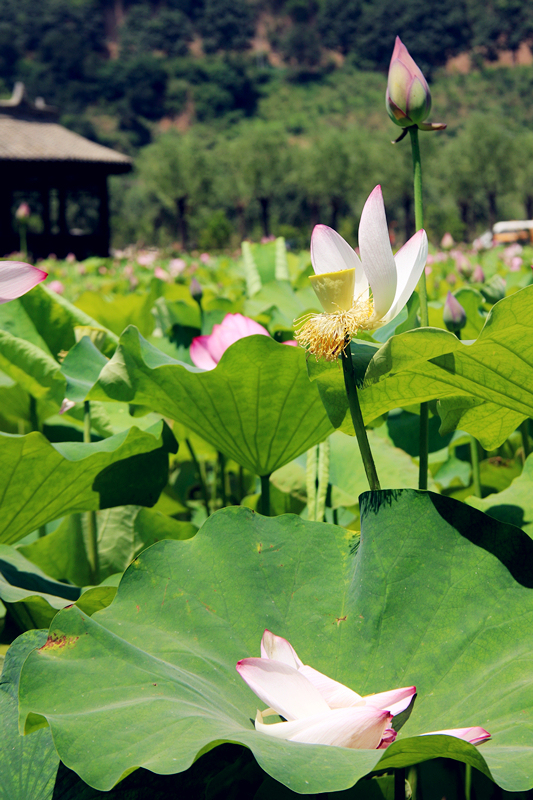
371	610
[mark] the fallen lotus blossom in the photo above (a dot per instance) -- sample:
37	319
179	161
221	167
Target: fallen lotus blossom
206	351
17	278
320	710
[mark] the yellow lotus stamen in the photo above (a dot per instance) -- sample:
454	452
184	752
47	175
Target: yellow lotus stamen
326	335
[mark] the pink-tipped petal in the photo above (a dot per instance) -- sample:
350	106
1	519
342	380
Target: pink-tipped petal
66	405
242	326
336	694
282	688
401	53
279	649
291	343
357	728
17	278
395	701
199	353
389	736
376	253
473	735
410	261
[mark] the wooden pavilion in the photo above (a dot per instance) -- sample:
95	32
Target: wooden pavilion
61	175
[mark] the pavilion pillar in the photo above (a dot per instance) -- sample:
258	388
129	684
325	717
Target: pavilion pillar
103	221
45	204
6	230
62	211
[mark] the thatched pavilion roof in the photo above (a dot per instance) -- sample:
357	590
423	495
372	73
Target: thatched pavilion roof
29	133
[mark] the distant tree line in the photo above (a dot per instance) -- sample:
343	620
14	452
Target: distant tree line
212	191
134	62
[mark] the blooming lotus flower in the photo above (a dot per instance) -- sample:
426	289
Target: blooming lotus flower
206	351
342	280
408	99
319	710
17	278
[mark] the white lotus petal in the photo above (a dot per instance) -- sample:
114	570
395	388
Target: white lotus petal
279	649
410	262
473	735
376	253
395	701
282	688
360	728
17	278
331	253
336	694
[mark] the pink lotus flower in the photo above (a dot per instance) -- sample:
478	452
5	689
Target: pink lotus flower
23	212
56	286
206	351
176	266
160	273
408	99
319	710
17	278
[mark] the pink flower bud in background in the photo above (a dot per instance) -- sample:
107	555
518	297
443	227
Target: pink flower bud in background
146	259
23	212
451	278
176	266
516	263
71	258
196	290
56	286
102	270
408	99
82	270
66	405
161	274
447	241
478	276
428	270
205	258
454	315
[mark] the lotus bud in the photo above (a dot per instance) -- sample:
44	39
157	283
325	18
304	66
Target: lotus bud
494	290
478	276
408	99
447	241
454	315
23	212
196	290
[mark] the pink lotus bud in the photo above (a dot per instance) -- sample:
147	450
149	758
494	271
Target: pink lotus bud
56	286
160	273
205	258
454	315
516	263
23	212
447	241
71	258
176	266
408	99
196	290
478	276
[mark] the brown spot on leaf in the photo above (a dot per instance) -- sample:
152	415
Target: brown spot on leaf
338	620
55	642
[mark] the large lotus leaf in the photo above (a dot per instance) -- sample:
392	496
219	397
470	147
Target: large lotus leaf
116	314
123	533
514	504
28	764
34	597
81	368
493	374
257	406
35	371
438	595
55	319
40	481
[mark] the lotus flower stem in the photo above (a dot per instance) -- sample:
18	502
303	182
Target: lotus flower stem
474	457
92	525
524	431
357	419
222	466
265	495
422	293
468	781
203	486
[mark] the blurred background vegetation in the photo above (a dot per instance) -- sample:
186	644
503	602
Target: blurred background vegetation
251	119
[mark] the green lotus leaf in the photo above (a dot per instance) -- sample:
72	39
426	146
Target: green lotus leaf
163	654
514	504
55	318
257	406
123	533
34	598
483	387
119	312
40	481
28	764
